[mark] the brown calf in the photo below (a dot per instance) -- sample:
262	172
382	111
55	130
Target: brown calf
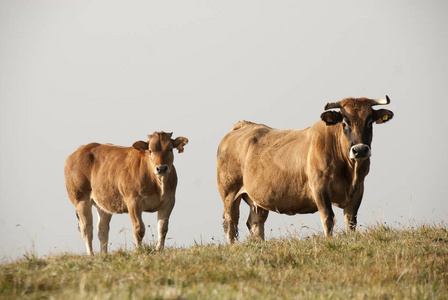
118	180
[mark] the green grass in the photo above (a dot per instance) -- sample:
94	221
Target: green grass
377	263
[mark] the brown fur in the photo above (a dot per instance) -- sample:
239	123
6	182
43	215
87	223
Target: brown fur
119	179
295	171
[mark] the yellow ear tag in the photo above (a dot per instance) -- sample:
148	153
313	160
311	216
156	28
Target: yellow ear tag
385	117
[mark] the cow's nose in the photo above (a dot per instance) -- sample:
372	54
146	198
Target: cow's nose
162	169
360	151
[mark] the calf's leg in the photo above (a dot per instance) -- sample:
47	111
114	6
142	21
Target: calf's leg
84	211
137	222
103	228
163	216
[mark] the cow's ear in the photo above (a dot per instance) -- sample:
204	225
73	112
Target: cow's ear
179	143
141	147
331	117
382	115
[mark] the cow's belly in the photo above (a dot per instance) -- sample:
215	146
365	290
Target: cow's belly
297	203
292	206
283	203
283	193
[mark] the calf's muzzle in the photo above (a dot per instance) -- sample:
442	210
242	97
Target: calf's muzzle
360	152
161	170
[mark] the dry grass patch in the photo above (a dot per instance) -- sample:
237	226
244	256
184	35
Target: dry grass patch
379	262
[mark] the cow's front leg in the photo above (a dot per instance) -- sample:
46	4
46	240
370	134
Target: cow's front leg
323	203
350	220
163	216
351	211
138	226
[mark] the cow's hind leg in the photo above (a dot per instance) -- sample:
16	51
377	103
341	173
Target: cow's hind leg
257	218
255	222
84	211
103	228
231	216
323	203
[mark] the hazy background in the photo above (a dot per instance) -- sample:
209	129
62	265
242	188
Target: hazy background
73	72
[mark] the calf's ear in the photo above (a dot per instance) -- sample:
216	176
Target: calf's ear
141	147
179	143
331	117
382	115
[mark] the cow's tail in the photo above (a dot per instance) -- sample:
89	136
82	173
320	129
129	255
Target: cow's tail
77	216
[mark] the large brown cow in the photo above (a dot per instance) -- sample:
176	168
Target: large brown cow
299	171
117	180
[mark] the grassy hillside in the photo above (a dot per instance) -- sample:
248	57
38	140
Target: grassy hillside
379	262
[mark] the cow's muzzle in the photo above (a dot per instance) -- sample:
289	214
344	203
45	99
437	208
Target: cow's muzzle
360	152
161	170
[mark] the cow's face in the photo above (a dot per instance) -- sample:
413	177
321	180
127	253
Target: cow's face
159	151
356	118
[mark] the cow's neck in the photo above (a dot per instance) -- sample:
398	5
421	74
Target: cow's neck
360	170
357	168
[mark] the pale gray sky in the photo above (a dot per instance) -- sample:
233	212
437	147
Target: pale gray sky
73	72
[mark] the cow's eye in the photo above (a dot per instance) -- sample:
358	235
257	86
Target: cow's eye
150	152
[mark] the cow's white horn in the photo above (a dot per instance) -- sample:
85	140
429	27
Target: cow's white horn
381	101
